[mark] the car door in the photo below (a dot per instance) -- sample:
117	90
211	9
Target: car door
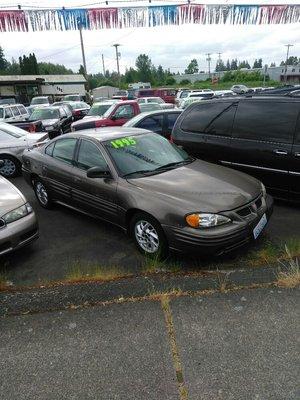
154	123
97	196
122	114
57	168
64	120
205	130
295	165
262	141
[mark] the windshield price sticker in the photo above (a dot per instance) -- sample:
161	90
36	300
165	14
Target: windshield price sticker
123	142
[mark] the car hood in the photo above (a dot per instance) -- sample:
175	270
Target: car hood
201	186
50	122
11	197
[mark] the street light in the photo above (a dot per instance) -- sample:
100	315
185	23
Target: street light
117	58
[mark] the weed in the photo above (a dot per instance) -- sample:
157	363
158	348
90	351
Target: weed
89	272
290	276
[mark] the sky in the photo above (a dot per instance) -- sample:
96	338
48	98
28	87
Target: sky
171	46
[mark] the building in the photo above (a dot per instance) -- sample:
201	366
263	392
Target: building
104	91
274	73
24	87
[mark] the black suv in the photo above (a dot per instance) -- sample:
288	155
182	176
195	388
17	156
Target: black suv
258	135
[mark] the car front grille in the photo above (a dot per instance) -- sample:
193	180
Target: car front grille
251	208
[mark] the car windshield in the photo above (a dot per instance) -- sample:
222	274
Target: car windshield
145	154
78	105
39	100
155	100
72	98
44	113
109	111
99	109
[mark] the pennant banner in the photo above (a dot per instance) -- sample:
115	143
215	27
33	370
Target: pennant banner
135	17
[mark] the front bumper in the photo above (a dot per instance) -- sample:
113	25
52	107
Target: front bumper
18	234
214	241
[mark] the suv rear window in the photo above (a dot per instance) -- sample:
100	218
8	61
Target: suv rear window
210	118
266	121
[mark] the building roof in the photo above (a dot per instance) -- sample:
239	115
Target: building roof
73	78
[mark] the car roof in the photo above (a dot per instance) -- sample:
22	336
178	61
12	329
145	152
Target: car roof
104	134
250	97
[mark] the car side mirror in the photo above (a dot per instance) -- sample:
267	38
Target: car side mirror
98	172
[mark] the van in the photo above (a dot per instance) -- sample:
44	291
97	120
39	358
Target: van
13	113
257	135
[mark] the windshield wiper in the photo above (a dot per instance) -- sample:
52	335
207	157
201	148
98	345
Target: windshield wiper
142	171
174	164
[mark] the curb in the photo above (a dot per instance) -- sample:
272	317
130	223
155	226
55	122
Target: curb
62	296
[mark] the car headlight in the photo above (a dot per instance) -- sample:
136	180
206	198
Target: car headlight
18	213
204	220
263	189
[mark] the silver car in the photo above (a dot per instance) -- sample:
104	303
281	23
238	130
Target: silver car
13	141
18	223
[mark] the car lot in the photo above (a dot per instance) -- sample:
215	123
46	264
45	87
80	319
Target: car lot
68	238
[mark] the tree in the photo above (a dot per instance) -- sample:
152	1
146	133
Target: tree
233	65
272	64
144	66
185	82
228	66
170	81
258	63
53	69
292	60
29	65
81	70
220	66
3	61
192	68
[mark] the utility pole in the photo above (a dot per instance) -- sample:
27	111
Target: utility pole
208	59
117	58
103	66
286	61
82	51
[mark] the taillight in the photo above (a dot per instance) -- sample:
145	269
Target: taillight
31	128
76	112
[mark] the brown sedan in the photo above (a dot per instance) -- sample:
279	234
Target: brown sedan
150	188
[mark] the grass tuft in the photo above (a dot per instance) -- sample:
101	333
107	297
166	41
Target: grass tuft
156	265
4	284
289	277
89	272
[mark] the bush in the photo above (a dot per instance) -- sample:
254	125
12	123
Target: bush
170	81
185	82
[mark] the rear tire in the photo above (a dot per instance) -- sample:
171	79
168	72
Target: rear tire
42	194
11	167
148	236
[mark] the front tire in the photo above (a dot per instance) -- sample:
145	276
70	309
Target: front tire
11	167
42	194
148	235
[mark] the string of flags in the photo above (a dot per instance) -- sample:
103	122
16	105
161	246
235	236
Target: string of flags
145	16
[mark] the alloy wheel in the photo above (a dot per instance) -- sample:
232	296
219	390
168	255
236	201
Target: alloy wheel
9	168
146	236
41	193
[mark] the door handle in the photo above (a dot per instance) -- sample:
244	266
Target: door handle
297	154
280	152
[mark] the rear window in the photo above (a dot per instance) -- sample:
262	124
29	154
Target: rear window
15	111
210	118
22	110
266	121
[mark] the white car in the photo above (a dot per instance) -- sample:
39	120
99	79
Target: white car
157	100
13	142
196	96
13	113
225	93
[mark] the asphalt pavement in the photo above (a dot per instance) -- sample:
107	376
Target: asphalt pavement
232	346
68	238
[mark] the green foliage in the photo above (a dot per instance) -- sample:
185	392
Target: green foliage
257	63
192	68
185	82
47	68
242	76
29	65
3	61
144	68
170	81
292	60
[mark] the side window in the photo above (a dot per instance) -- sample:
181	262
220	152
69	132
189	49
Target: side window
90	156
125	111
154	123
64	150
15	111
49	149
22	110
141	101
210	118
8	113
266	121
171	118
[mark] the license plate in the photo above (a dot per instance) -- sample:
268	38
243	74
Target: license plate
260	226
